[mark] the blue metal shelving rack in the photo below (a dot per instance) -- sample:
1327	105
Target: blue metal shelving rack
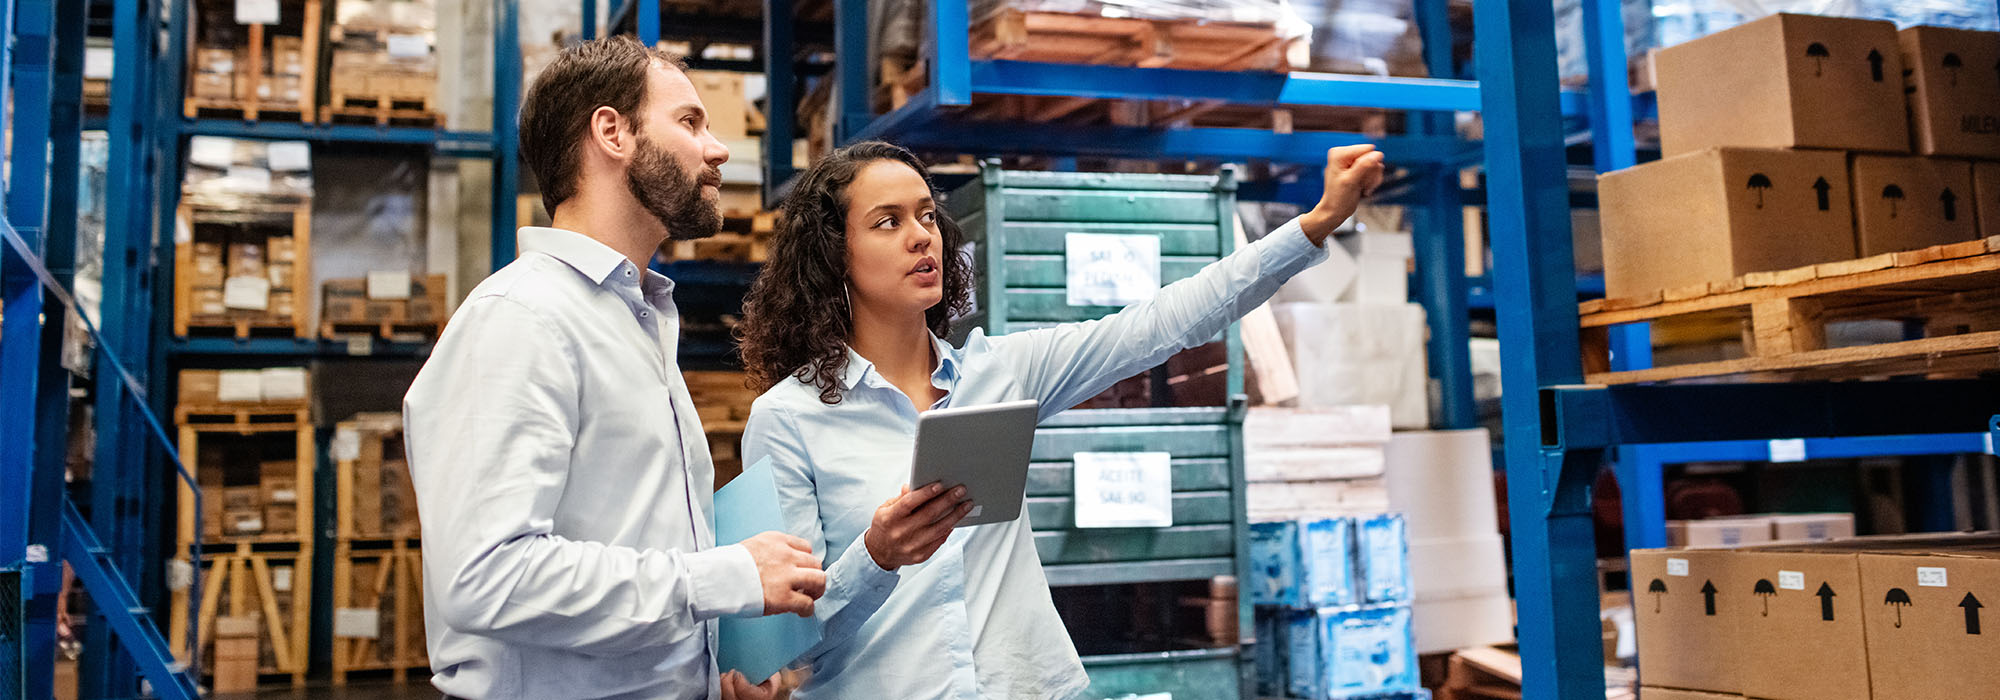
129	492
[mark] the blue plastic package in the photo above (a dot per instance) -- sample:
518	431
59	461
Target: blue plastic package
1272	678
1327	560
1366	653
1274	564
1302	637
1385	559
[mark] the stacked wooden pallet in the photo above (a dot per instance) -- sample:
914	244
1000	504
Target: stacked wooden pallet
391	305
249	438
377	560
245	65
1783	316
384	64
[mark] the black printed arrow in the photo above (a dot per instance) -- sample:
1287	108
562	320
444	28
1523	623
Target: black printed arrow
1972	606
1950	205
1825	601
1708	596
1821	188
1875	64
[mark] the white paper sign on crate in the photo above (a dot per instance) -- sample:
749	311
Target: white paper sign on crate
1104	269
1124	489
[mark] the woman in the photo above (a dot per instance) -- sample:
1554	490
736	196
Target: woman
845	327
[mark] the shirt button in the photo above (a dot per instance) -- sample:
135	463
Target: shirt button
628	272
645	314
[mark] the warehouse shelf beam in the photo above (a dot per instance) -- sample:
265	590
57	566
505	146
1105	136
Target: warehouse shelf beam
1589	417
469	144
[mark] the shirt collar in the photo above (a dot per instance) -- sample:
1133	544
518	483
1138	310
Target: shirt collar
942	377
587	255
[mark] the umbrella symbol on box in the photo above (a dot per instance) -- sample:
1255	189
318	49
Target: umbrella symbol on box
1894	194
1766	591
1899	598
1818	53
1657	588
1759	182
1951	65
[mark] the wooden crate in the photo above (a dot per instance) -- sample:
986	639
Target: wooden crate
1058	37
1783	317
382	580
193	315
374	498
270	581
214	27
346	311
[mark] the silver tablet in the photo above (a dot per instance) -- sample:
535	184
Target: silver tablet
985	448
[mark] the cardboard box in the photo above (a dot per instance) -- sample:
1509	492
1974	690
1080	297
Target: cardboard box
1928	633
214	60
281	519
1722	213
199	386
1812	527
246	260
1785	81
278	469
1647	692
278	490
282	305
365	503
235	666
1800	621
1908	202
242	497
1719	532
272	88
1952	79
1685	609
281	249
243	522
1986	189
237	626
212	86
288	55
207	300
722	96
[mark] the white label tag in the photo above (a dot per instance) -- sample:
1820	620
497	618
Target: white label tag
284	496
284	383
97	62
250	178
211	151
289	156
1124	489
389	285
233	385
281	578
362	623
360	345
1788	450
1105	269
346	444
1931	577
1792	580
1677	567
249	293
38	554
256	11
408	46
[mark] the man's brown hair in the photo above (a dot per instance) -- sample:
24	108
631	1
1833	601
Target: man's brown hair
608	72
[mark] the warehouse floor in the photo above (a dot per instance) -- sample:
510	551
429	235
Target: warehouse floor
414	690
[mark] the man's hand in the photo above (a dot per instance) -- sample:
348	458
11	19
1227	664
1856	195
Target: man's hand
791	575
1352	172
909	528
736	687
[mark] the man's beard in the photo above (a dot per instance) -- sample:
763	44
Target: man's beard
673	195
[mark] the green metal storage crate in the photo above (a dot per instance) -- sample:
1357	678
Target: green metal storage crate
1016	223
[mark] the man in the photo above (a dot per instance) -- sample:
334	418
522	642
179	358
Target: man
562	477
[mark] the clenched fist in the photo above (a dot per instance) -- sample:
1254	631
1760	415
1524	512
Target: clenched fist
1352	172
790	574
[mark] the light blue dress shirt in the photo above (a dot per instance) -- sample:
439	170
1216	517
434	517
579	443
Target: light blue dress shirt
976	621
566	491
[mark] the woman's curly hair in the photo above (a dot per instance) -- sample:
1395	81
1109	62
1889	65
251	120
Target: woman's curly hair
796	322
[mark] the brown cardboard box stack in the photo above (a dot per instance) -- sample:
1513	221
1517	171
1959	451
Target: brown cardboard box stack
384	49
214	73
1878	618
235	657
1742	530
245	253
382	501
352	301
1788	142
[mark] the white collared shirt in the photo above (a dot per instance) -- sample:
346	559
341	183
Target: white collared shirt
566	489
976	620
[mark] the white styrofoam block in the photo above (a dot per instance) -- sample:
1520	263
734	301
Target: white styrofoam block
1450	624
283	383
1443	482
1355	354
1391	244
1457	568
1296	463
1319	426
1381	279
1274	500
1325	283
239	385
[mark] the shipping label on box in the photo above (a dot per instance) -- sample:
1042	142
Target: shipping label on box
1718	214
1785	81
1687	605
1907	202
1953	82
1801	625
1929	635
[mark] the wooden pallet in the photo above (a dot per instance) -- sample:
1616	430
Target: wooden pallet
243	418
419	331
250	110
253	585
362	445
245	324
240	327
381	111
300	110
1953	289
1058	37
397	566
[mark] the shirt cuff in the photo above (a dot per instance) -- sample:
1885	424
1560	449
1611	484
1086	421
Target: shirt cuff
857	568
724	582
1287	250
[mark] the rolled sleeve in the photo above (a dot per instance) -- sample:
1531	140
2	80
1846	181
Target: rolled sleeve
724	583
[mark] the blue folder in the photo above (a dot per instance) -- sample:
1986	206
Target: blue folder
757	646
